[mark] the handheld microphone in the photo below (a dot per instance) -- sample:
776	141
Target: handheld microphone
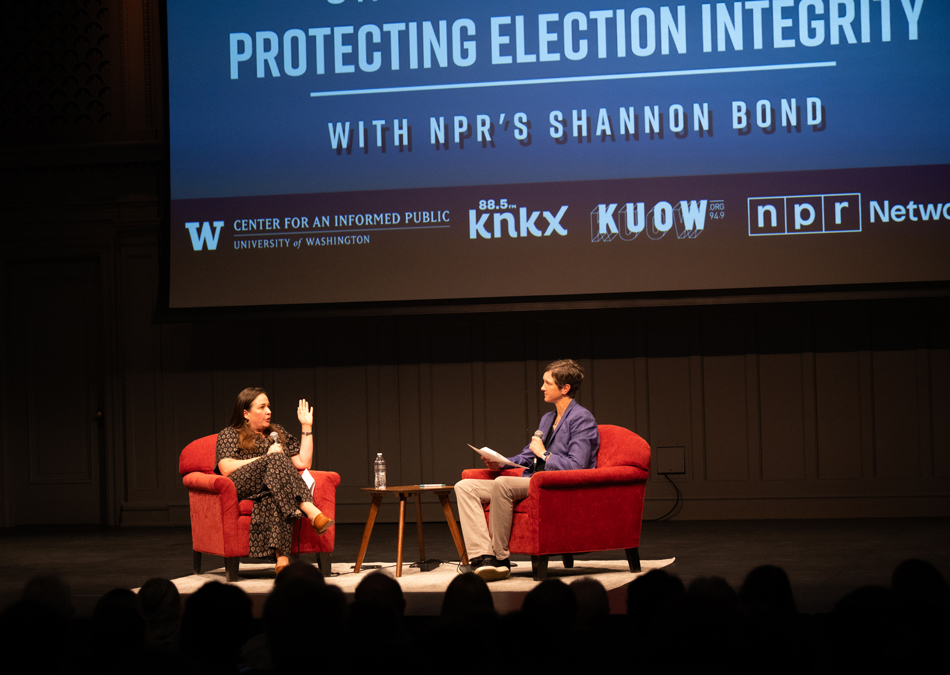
274	438
539	435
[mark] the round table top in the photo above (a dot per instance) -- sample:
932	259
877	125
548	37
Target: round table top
410	488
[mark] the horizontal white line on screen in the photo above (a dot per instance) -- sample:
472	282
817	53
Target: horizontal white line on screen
581	78
367	228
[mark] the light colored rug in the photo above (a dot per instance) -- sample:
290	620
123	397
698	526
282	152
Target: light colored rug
423	590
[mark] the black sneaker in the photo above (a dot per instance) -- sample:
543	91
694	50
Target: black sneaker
493	569
478	561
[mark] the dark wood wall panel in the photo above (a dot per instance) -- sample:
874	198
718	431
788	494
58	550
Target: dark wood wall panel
781	387
140	358
401	426
551	339
725	404
450	421
325	455
838	394
54	387
896	405
60	347
347	432
611	387
288	383
385	434
506	409
938	382
447	420
188	409
612	377
669	387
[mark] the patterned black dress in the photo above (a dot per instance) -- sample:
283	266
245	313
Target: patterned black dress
273	483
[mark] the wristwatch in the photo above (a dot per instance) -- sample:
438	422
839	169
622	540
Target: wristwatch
547	453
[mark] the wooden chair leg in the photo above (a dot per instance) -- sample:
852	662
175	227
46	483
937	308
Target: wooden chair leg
633	559
231	569
568	559
324	562
197	562
539	566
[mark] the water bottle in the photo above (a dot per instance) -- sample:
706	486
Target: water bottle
380	470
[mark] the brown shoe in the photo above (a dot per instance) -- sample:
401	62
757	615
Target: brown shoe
321	523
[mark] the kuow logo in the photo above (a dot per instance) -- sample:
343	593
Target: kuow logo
204	238
689	218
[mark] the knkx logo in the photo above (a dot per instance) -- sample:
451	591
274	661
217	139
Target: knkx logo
205	237
525	224
688	217
802	214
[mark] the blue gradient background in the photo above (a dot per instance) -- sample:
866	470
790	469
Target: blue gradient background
885	103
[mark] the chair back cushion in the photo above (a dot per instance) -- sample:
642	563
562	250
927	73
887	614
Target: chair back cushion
198	456
622	447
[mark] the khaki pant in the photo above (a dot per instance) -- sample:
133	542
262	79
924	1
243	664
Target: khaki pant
501	493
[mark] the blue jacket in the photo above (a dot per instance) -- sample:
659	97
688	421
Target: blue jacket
573	446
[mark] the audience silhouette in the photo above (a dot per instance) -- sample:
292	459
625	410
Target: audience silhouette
307	626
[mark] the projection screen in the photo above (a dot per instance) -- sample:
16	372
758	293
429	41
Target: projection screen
350	151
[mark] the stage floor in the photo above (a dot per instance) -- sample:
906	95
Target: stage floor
825	559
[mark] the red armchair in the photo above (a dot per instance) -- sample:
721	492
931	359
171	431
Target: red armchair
579	511
220	525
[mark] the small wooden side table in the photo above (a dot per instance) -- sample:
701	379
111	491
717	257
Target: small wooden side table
404	491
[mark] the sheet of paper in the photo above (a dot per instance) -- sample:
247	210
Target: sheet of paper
308	479
493	456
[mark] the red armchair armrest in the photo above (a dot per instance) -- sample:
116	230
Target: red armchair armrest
211	483
561	480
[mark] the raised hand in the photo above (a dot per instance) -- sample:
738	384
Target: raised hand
304	413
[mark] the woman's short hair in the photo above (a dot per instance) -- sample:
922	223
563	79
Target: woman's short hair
566	371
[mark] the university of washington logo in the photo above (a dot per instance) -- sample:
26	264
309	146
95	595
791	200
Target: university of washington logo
205	237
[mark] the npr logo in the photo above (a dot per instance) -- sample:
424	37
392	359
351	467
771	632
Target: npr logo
607	221
205	237
805	213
